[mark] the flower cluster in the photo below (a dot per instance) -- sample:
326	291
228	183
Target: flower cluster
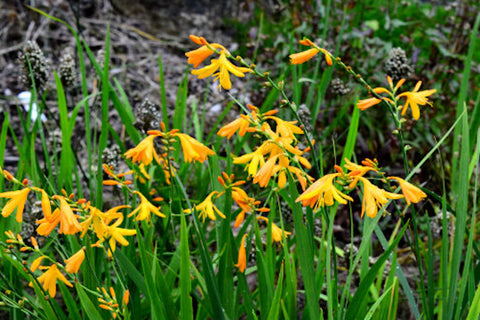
219	68
324	191
275	156
108	301
413	98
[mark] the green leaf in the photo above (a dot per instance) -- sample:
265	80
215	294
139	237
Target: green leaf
275	306
186	311
363	289
89	308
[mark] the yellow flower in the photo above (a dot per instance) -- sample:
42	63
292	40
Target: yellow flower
410	192
144	209
323	192
207	209
255	160
144	152
49	279
242	256
277	233
286	129
74	262
415	98
193	150
36	263
374	198
17	200
114	233
95	218
224	66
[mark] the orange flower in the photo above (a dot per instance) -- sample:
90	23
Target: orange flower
17	200
49	279
415	98
241	125
63	216
126	297
277	233
367	103
301	57
144	209
36	263
358	171
74	262
144	152
242	256
224	66
374	198
207	209
242	199
239	219
323	192
410	192
193	150
46	206
265	173
196	57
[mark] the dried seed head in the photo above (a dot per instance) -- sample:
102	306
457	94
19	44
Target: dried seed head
396	65
338	87
34	65
147	116
68	73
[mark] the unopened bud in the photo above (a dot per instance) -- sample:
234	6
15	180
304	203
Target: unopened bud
266	84
408	147
395	132
281	85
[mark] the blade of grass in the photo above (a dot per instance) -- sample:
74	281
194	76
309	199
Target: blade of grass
352	134
102	144
89	308
275	308
362	291
186	311
461	211
213	293
66	156
462	96
304	250
73	311
163	92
